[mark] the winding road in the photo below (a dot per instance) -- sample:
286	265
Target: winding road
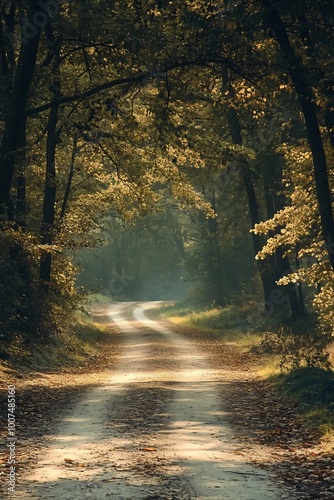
155	429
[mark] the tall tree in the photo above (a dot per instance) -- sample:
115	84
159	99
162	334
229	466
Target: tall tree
298	72
15	117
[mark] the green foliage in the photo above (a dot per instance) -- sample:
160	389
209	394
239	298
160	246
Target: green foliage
300	344
142	95
313	389
28	317
69	340
298	233
141	261
98	298
230	323
298	347
19	309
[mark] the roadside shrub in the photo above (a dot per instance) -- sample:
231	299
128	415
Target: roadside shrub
297	349
29	318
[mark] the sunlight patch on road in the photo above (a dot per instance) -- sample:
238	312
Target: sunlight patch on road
156	418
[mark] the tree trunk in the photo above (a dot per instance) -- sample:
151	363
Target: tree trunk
16	117
272	185
267	277
283	266
17	214
305	96
218	270
300	288
49	205
49	201
70	178
7	60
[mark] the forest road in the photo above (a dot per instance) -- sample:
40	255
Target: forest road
154	430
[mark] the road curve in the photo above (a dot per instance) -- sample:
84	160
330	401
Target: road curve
154	429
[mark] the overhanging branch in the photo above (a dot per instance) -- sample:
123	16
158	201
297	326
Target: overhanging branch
132	80
87	93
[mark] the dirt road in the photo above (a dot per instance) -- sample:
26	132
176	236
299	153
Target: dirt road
155	429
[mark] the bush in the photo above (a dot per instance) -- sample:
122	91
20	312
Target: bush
29	318
297	349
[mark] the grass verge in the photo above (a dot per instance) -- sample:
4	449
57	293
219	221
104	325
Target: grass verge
230	324
98	298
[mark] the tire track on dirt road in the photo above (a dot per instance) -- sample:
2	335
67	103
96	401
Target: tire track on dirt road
153	430
198	434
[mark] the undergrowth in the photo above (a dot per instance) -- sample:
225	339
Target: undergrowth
313	389
72	347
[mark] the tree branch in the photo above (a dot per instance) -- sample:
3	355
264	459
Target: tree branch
142	78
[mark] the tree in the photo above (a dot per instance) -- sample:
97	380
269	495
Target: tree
298	72
17	95
111	105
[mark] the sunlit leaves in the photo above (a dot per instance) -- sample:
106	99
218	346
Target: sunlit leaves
297	229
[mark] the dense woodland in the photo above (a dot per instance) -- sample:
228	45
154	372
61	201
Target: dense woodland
172	149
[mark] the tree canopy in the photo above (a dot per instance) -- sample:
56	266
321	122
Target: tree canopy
213	120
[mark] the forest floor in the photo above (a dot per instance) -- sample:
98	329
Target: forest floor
163	412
